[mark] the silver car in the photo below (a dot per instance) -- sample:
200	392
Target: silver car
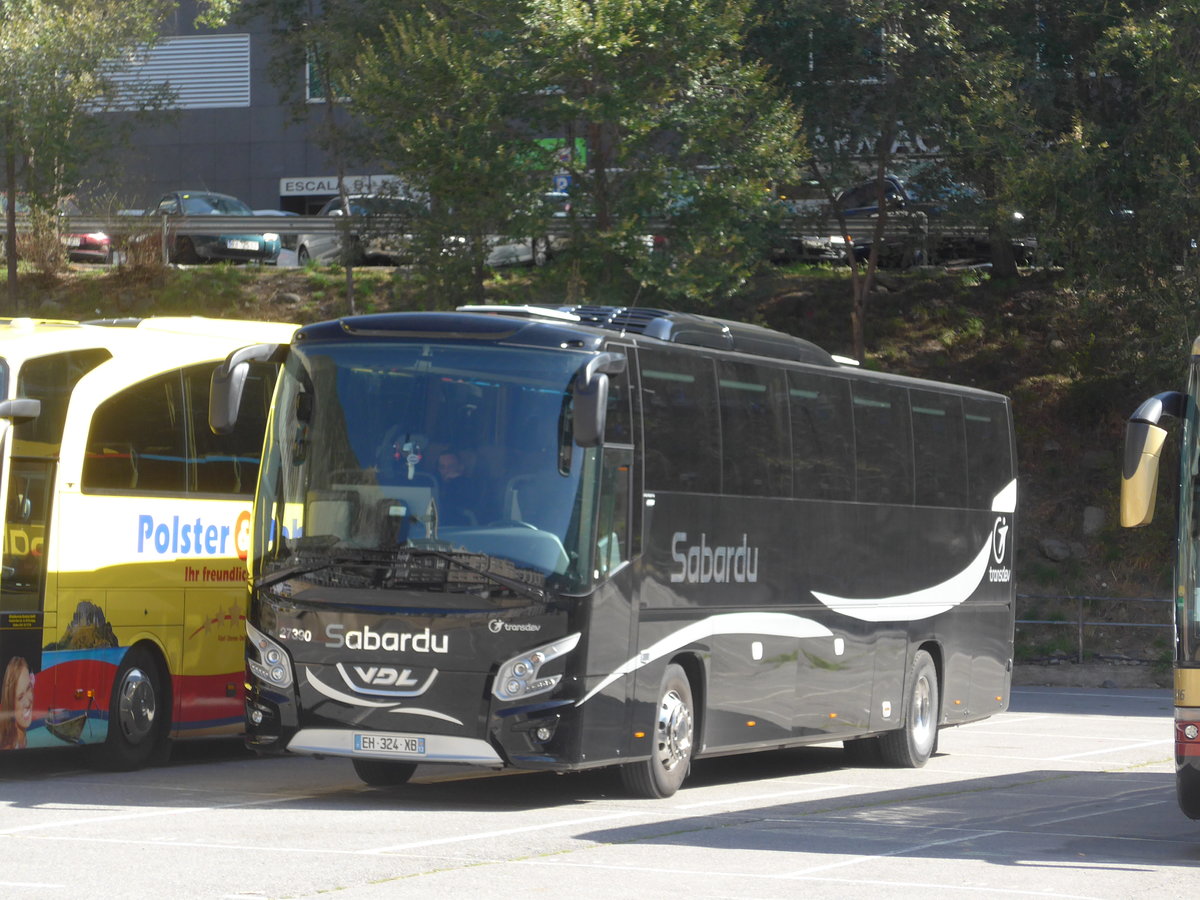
378	236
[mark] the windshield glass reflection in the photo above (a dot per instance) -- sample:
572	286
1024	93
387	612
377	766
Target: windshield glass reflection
411	451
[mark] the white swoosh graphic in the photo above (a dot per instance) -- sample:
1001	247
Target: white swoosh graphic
931	600
778	624
349	699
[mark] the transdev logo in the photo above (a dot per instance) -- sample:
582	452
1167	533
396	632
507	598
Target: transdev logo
1000	573
199	536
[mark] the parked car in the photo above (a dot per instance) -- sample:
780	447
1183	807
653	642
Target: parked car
380	239
91	246
533	251
195	248
953	212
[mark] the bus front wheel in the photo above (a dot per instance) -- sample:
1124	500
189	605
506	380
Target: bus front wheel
137	714
911	745
673	740
380	773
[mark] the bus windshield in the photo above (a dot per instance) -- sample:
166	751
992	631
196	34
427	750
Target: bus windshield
386	450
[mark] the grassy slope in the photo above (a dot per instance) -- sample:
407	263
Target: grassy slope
1029	338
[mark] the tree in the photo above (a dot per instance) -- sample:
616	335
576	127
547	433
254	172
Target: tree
677	129
443	95
874	76
321	37
57	58
645	105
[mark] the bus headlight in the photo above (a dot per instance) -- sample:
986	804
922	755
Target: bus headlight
520	676
272	665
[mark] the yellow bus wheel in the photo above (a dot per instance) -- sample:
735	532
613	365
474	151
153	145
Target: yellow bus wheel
137	713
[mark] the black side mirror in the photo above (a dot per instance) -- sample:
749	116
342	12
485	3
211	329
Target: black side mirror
229	383
591	397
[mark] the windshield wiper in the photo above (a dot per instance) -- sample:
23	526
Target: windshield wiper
517	587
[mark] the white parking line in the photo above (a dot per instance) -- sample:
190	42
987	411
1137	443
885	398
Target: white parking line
92	821
1123	747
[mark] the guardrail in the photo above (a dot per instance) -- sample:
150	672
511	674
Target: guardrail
1079	622
910	230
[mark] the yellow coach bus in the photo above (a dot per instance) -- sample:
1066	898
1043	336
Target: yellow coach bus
122	586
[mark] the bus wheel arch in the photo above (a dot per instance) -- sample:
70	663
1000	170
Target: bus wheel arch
911	745
673	738
139	711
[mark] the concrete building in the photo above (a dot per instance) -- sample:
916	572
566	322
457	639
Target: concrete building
230	129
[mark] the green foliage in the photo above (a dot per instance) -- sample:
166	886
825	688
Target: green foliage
56	72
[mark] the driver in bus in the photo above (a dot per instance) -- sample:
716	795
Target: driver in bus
458	490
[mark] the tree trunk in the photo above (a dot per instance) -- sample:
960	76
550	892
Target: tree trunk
10	223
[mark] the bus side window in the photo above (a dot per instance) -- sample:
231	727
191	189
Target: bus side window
51	379
757	455
227	463
940	453
882	444
822	436
136	442
989	452
680	421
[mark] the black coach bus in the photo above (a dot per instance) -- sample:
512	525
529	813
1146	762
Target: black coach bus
589	536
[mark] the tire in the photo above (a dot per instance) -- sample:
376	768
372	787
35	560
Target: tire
185	252
302	256
673	741
862	751
540	253
911	745
138	714
381	773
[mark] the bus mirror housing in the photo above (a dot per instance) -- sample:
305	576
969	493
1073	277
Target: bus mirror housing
591	397
1144	439
229	383
21	409
1139	478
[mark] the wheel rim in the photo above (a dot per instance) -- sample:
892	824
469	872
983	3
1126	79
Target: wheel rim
136	706
673	731
922	711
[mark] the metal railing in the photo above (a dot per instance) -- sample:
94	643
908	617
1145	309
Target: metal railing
1080	622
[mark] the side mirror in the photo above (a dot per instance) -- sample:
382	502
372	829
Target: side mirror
591	397
229	383
1144	439
1139	476
22	409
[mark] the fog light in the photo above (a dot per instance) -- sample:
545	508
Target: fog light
1190	732
544	733
256	716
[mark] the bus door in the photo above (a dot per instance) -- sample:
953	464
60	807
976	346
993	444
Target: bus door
23	701
611	620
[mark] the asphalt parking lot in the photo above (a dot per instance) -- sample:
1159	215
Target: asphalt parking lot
1069	794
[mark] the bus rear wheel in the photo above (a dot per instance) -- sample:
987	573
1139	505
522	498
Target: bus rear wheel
137	714
673	740
911	745
381	773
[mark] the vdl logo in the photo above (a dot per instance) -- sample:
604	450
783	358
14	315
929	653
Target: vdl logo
1000	573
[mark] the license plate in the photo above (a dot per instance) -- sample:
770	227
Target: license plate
242	245
400	744
73	241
